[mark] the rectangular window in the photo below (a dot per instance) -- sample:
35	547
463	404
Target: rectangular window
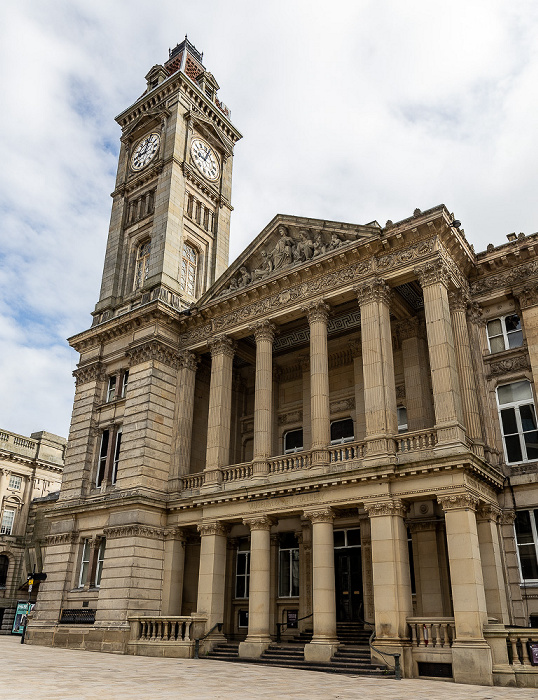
288	570
8	517
518	422
526	526
504	333
293	441
100	560
111	390
117	448
402	419
242	572
342	431
124	382
103	451
84	562
15	482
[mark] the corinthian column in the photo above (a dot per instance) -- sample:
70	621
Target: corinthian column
318	314
434	279
324	642
471	414
184	409
378	367
264	334
258	638
220	407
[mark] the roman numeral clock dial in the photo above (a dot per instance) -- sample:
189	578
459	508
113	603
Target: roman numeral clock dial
145	151
205	159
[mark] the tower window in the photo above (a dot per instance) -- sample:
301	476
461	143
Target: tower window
518	421
142	264
188	269
111	390
505	333
107	466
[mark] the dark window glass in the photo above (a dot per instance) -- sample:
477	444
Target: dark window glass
288	540
4	566
354	538
342	430
528	419
339	538
508	416
102	458
293	440
531	443
513	448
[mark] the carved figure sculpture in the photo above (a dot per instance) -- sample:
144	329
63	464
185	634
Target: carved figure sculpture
266	267
244	277
283	251
319	245
335	242
305	247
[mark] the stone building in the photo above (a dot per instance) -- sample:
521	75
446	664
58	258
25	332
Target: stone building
30	472
339	427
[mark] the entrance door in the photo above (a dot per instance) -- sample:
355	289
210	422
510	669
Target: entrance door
348	574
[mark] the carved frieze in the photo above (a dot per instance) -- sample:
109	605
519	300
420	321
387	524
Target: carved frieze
134	531
290	417
405	256
508	365
340	405
62	538
154	350
505	279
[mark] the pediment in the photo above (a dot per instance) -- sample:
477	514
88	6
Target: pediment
207	128
149	116
284	244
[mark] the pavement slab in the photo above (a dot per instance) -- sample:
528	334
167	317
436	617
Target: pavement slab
67	674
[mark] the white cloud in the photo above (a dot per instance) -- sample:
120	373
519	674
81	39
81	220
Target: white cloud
350	111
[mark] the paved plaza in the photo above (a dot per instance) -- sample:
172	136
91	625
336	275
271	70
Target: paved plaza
65	674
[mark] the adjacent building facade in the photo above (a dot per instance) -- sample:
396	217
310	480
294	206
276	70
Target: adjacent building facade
30	472
338	427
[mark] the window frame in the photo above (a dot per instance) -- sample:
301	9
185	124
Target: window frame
242	553
12	479
186	267
7	528
84	571
516	406
4	570
402	427
99	564
342	441
111	388
289	552
116	455
292	450
139	279
534	530
505	334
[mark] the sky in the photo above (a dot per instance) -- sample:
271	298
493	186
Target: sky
350	111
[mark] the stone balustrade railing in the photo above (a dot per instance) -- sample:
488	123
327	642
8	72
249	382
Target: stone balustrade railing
162	629
237	471
415	441
347	451
432	632
290	463
192	481
518	641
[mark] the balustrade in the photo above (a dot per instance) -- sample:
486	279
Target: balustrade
237	471
289	463
518	641
418	440
346	451
161	629
432	632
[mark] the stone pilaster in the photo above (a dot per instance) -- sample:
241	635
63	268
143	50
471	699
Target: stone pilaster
487	519
429	593
417	390
471	655
318	314
174	560
264	333
220	408
212	573
258	638
378	369
324	642
183	417
528	303
434	280
471	414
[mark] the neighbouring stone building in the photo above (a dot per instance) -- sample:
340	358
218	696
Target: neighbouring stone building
338	427
30	476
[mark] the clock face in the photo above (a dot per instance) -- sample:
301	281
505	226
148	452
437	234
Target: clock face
205	159
145	151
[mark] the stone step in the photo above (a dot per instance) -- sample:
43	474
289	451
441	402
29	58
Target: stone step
347	669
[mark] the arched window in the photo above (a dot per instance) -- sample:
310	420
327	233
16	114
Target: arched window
189	262
142	264
4	566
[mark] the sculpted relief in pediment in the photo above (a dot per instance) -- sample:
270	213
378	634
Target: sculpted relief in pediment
290	248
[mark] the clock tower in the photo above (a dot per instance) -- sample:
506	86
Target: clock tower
170	223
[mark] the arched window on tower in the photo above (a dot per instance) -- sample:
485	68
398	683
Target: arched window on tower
189	264
142	264
4	566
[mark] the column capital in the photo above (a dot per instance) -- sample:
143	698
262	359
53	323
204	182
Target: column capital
527	297
392	507
488	511
433	272
212	528
373	289
458	501
263	330
317	311
222	345
321	515
259	522
474	313
175	533
408	328
507	517
457	300
188	360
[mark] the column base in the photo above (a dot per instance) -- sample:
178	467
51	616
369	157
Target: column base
260	467
320	652
472	663
253	649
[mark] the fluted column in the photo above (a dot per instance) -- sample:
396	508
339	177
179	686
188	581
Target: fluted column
378	368
318	314
487	520
434	280
264	334
471	415
358	379
417	390
471	655
220	407
258	638
183	414
174	561
212	572
324	642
